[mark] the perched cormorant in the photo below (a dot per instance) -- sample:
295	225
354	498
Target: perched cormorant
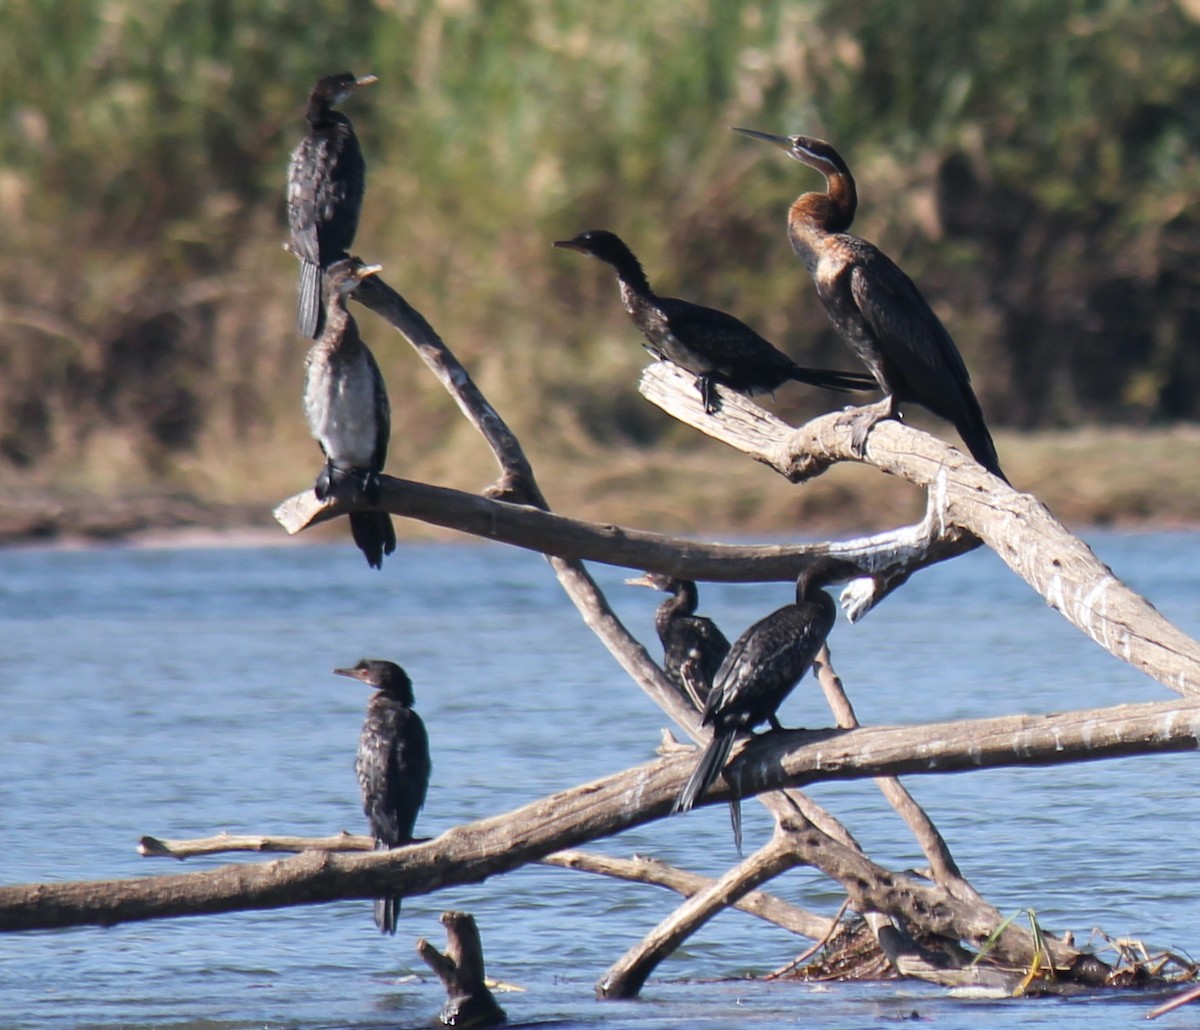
326	179
876	308
347	408
693	646
714	346
761	669
392	765
693	649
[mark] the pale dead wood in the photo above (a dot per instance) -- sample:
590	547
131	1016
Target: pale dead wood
624	979
475	851
469	1003
942	866
1018	527
158	847
639	869
655	872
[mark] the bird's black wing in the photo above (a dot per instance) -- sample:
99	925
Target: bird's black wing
302	198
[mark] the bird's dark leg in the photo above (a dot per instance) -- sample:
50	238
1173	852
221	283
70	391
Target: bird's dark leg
708	395
370	485
776	725
325	482
863	419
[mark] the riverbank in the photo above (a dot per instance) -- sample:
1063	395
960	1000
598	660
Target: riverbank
1114	477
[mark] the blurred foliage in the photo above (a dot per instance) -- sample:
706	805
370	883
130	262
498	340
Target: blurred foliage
1033	166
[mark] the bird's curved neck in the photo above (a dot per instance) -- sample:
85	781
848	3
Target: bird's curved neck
321	112
684	601
629	270
814	215
340	329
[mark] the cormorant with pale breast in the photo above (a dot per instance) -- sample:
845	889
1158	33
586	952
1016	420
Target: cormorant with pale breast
326	179
762	667
714	346
393	764
876	308
347	408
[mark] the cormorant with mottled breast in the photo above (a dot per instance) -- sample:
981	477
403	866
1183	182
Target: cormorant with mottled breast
693	646
714	346
393	764
693	649
326	179
347	408
763	666
876	308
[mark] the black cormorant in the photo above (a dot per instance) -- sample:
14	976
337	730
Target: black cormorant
714	346
693	646
347	408
877	309
392	765
693	649
761	669
326	179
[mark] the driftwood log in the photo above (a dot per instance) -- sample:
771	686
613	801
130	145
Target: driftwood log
469	1003
966	507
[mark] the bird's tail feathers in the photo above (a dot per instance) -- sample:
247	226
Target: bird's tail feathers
834	379
308	301
387	910
712	761
373	534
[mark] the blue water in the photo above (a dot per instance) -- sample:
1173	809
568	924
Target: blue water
181	692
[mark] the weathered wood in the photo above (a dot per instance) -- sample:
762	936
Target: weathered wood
1018	527
655	872
158	847
471	853
624	979
469	1003
639	869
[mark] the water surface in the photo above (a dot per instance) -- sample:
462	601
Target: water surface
181	692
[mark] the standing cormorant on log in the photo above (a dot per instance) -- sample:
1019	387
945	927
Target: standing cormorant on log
693	649
347	408
326	179
877	309
714	346
762	667
393	764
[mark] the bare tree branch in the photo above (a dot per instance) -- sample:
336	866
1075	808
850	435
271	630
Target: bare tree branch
626	976
1018	527
471	853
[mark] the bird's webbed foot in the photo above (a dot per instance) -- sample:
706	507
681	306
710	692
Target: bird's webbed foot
863	419
325	483
708	394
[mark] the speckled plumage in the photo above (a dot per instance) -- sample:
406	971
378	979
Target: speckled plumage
393	764
761	670
326	182
712	345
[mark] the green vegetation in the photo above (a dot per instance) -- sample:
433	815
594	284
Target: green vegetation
1034	166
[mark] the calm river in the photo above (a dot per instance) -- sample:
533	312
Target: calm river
180	692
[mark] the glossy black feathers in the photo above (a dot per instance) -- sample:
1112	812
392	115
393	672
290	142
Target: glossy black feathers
713	345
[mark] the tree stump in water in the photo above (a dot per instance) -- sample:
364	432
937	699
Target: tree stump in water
469	1003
